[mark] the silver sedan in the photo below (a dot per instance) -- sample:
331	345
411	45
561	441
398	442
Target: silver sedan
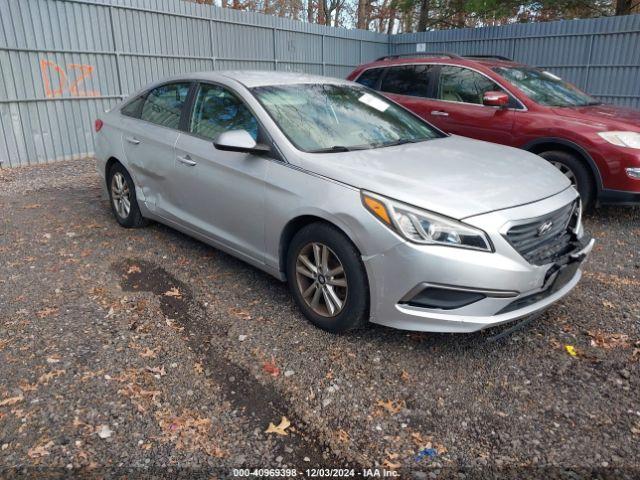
367	211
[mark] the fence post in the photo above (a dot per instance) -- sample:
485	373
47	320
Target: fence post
324	65
116	49
275	50
213	45
586	73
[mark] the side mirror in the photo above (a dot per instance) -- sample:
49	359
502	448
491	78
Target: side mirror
239	141
495	99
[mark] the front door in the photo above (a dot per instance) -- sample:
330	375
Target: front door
458	106
218	193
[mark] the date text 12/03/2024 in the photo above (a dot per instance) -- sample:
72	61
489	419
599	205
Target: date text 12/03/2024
315	473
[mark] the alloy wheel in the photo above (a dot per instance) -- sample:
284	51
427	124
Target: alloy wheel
321	279
566	171
120	195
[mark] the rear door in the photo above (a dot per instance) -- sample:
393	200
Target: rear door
218	193
458	106
150	126
412	86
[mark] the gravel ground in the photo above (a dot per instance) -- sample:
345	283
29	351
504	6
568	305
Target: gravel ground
147	352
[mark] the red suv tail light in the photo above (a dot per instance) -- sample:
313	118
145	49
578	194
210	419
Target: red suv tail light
98	125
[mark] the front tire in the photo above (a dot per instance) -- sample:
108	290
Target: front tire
576	171
122	196
327	278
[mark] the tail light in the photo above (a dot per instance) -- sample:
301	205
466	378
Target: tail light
98	125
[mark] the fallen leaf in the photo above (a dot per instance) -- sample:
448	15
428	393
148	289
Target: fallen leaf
40	450
608	304
198	368
571	350
271	368
149	353
239	313
343	436
173	292
44	378
389	465
404	376
104	431
134	269
281	429
53	359
11	401
32	206
608	340
159	371
390	406
45	312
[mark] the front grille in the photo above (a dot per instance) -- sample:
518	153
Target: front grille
541	247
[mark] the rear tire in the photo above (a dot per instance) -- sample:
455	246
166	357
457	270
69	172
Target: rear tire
327	278
122	197
577	172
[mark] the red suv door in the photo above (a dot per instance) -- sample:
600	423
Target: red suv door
458	106
412	86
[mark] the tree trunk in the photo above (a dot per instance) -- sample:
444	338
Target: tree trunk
407	21
310	11
627	7
392	17
336	15
362	14
424	15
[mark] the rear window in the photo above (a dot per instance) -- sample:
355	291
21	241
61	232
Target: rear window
133	108
369	78
164	105
414	80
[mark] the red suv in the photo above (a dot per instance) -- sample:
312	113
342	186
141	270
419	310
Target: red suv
494	99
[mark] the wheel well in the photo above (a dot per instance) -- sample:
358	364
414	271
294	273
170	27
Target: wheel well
110	163
293	227
554	146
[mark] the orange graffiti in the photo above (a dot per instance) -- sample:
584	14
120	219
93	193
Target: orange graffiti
63	86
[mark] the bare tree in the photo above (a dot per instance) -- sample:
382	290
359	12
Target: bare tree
423	18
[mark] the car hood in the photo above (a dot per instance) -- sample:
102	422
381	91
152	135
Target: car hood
609	116
454	176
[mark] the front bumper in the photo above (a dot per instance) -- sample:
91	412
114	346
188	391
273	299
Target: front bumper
512	288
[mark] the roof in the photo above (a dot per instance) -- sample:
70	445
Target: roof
257	78
442	58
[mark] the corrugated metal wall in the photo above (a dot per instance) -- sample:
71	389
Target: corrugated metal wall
601	56
62	62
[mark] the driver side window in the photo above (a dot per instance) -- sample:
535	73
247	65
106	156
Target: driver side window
217	110
462	85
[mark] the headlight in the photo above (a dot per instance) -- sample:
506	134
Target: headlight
622	139
424	227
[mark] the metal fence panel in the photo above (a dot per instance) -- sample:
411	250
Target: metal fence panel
601	56
62	62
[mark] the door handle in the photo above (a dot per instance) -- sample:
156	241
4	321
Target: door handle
133	140
186	160
439	113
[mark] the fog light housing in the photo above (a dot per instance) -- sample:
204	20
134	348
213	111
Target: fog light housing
633	173
444	298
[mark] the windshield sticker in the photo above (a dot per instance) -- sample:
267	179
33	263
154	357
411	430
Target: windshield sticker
551	76
374	102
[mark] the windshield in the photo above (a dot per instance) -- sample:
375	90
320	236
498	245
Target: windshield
330	118
545	88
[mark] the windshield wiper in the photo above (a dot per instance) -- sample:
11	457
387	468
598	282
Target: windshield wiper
335	148
403	141
339	148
